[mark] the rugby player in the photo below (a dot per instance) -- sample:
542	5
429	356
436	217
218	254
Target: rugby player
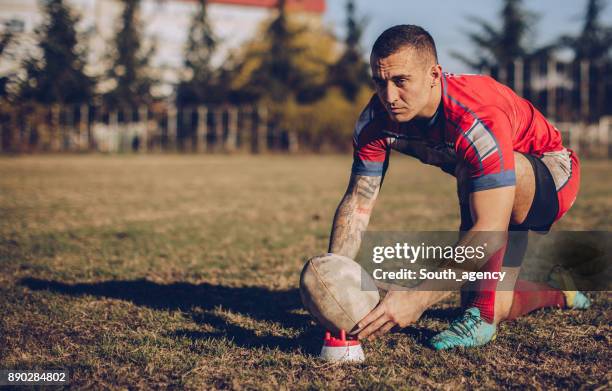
512	172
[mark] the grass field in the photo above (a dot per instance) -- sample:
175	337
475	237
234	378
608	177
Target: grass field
182	272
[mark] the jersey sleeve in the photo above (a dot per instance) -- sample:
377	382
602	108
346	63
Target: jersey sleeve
370	147
484	143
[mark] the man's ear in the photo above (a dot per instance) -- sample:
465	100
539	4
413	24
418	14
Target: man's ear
435	72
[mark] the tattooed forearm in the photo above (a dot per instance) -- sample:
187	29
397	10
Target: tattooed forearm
362	210
365	186
353	215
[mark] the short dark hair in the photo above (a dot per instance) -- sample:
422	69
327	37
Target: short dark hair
404	35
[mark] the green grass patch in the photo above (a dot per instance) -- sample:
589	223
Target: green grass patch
182	272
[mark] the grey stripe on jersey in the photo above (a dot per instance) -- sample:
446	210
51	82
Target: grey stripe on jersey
559	164
482	140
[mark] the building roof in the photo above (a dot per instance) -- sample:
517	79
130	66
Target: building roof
316	6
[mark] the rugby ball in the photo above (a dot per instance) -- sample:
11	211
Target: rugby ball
331	290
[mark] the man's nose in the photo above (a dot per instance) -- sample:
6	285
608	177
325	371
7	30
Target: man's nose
390	93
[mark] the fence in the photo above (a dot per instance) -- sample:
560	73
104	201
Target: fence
592	141
574	91
576	95
198	129
30	128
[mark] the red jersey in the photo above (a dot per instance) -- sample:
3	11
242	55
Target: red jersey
479	122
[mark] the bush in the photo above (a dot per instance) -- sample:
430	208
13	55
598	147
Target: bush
326	123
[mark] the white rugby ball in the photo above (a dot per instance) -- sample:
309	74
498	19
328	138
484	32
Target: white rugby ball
331	290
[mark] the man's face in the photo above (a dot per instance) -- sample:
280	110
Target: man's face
403	83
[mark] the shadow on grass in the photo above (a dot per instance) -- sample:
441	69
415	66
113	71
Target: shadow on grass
420	334
443	313
254	302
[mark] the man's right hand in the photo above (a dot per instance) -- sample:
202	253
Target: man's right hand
399	308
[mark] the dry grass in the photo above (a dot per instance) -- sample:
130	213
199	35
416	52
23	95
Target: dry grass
181	271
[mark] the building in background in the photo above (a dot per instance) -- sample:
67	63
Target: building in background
165	23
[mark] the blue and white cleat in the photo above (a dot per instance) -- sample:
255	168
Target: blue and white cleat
470	330
576	300
561	279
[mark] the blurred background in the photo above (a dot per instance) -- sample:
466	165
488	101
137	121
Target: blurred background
254	76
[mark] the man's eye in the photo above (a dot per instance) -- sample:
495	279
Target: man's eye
401	82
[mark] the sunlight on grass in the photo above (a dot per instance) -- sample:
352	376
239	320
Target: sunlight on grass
182	271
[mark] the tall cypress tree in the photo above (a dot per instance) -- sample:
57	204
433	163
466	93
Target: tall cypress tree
594	45
58	75
351	72
201	44
5	41
279	75
594	42
132	84
500	46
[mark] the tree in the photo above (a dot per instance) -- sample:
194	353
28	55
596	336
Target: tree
592	47
499	47
5	41
351	71
128	74
58	75
280	76
286	69
202	84
289	59
595	40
